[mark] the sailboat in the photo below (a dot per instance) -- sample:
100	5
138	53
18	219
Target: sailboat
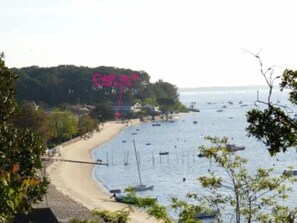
140	187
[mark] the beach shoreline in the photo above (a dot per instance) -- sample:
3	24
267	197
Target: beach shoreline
76	180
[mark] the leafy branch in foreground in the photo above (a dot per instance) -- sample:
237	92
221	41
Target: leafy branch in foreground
249	194
20	151
13	192
121	216
273	125
151	206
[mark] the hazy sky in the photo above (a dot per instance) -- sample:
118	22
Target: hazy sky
189	43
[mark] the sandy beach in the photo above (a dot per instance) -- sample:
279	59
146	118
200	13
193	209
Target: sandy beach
75	180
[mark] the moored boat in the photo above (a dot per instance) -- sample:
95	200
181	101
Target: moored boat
205	215
123	198
156	124
142	187
234	148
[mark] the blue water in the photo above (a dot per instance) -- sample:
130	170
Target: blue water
182	139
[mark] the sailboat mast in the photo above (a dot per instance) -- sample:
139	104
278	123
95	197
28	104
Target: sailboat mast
137	162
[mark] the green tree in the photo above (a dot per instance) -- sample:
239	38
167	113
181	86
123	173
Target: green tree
166	104
247	191
103	112
180	107
73	85
18	148
64	125
31	117
165	90
13	194
86	126
273	125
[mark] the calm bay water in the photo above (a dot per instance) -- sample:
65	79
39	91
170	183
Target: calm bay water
181	140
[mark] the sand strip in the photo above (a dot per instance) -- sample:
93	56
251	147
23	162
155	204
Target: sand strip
75	180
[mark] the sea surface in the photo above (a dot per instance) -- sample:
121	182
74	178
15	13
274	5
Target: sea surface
222	113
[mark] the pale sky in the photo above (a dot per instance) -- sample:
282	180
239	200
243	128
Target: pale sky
189	43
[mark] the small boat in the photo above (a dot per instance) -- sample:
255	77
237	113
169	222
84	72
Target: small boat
163	153
156	124
200	155
148	144
195	122
205	215
140	187
234	148
294	172
124	199
116	194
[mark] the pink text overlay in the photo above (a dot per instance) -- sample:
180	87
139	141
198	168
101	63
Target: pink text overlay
120	81
112	80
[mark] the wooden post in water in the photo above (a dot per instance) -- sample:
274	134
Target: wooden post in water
107	158
111	157
139	158
125	159
137	162
153	158
182	157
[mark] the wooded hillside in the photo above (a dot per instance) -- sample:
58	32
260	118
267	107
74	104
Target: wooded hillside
68	84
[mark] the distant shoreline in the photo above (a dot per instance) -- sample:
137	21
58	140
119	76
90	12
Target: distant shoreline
252	87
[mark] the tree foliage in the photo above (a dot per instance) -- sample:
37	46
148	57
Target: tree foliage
121	216
273	125
20	156
7	92
13	193
151	206
253	196
67	84
73	85
30	116
103	112
86	125
64	125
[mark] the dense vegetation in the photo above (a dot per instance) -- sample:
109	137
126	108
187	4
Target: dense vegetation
67	84
51	100
21	181
276	125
